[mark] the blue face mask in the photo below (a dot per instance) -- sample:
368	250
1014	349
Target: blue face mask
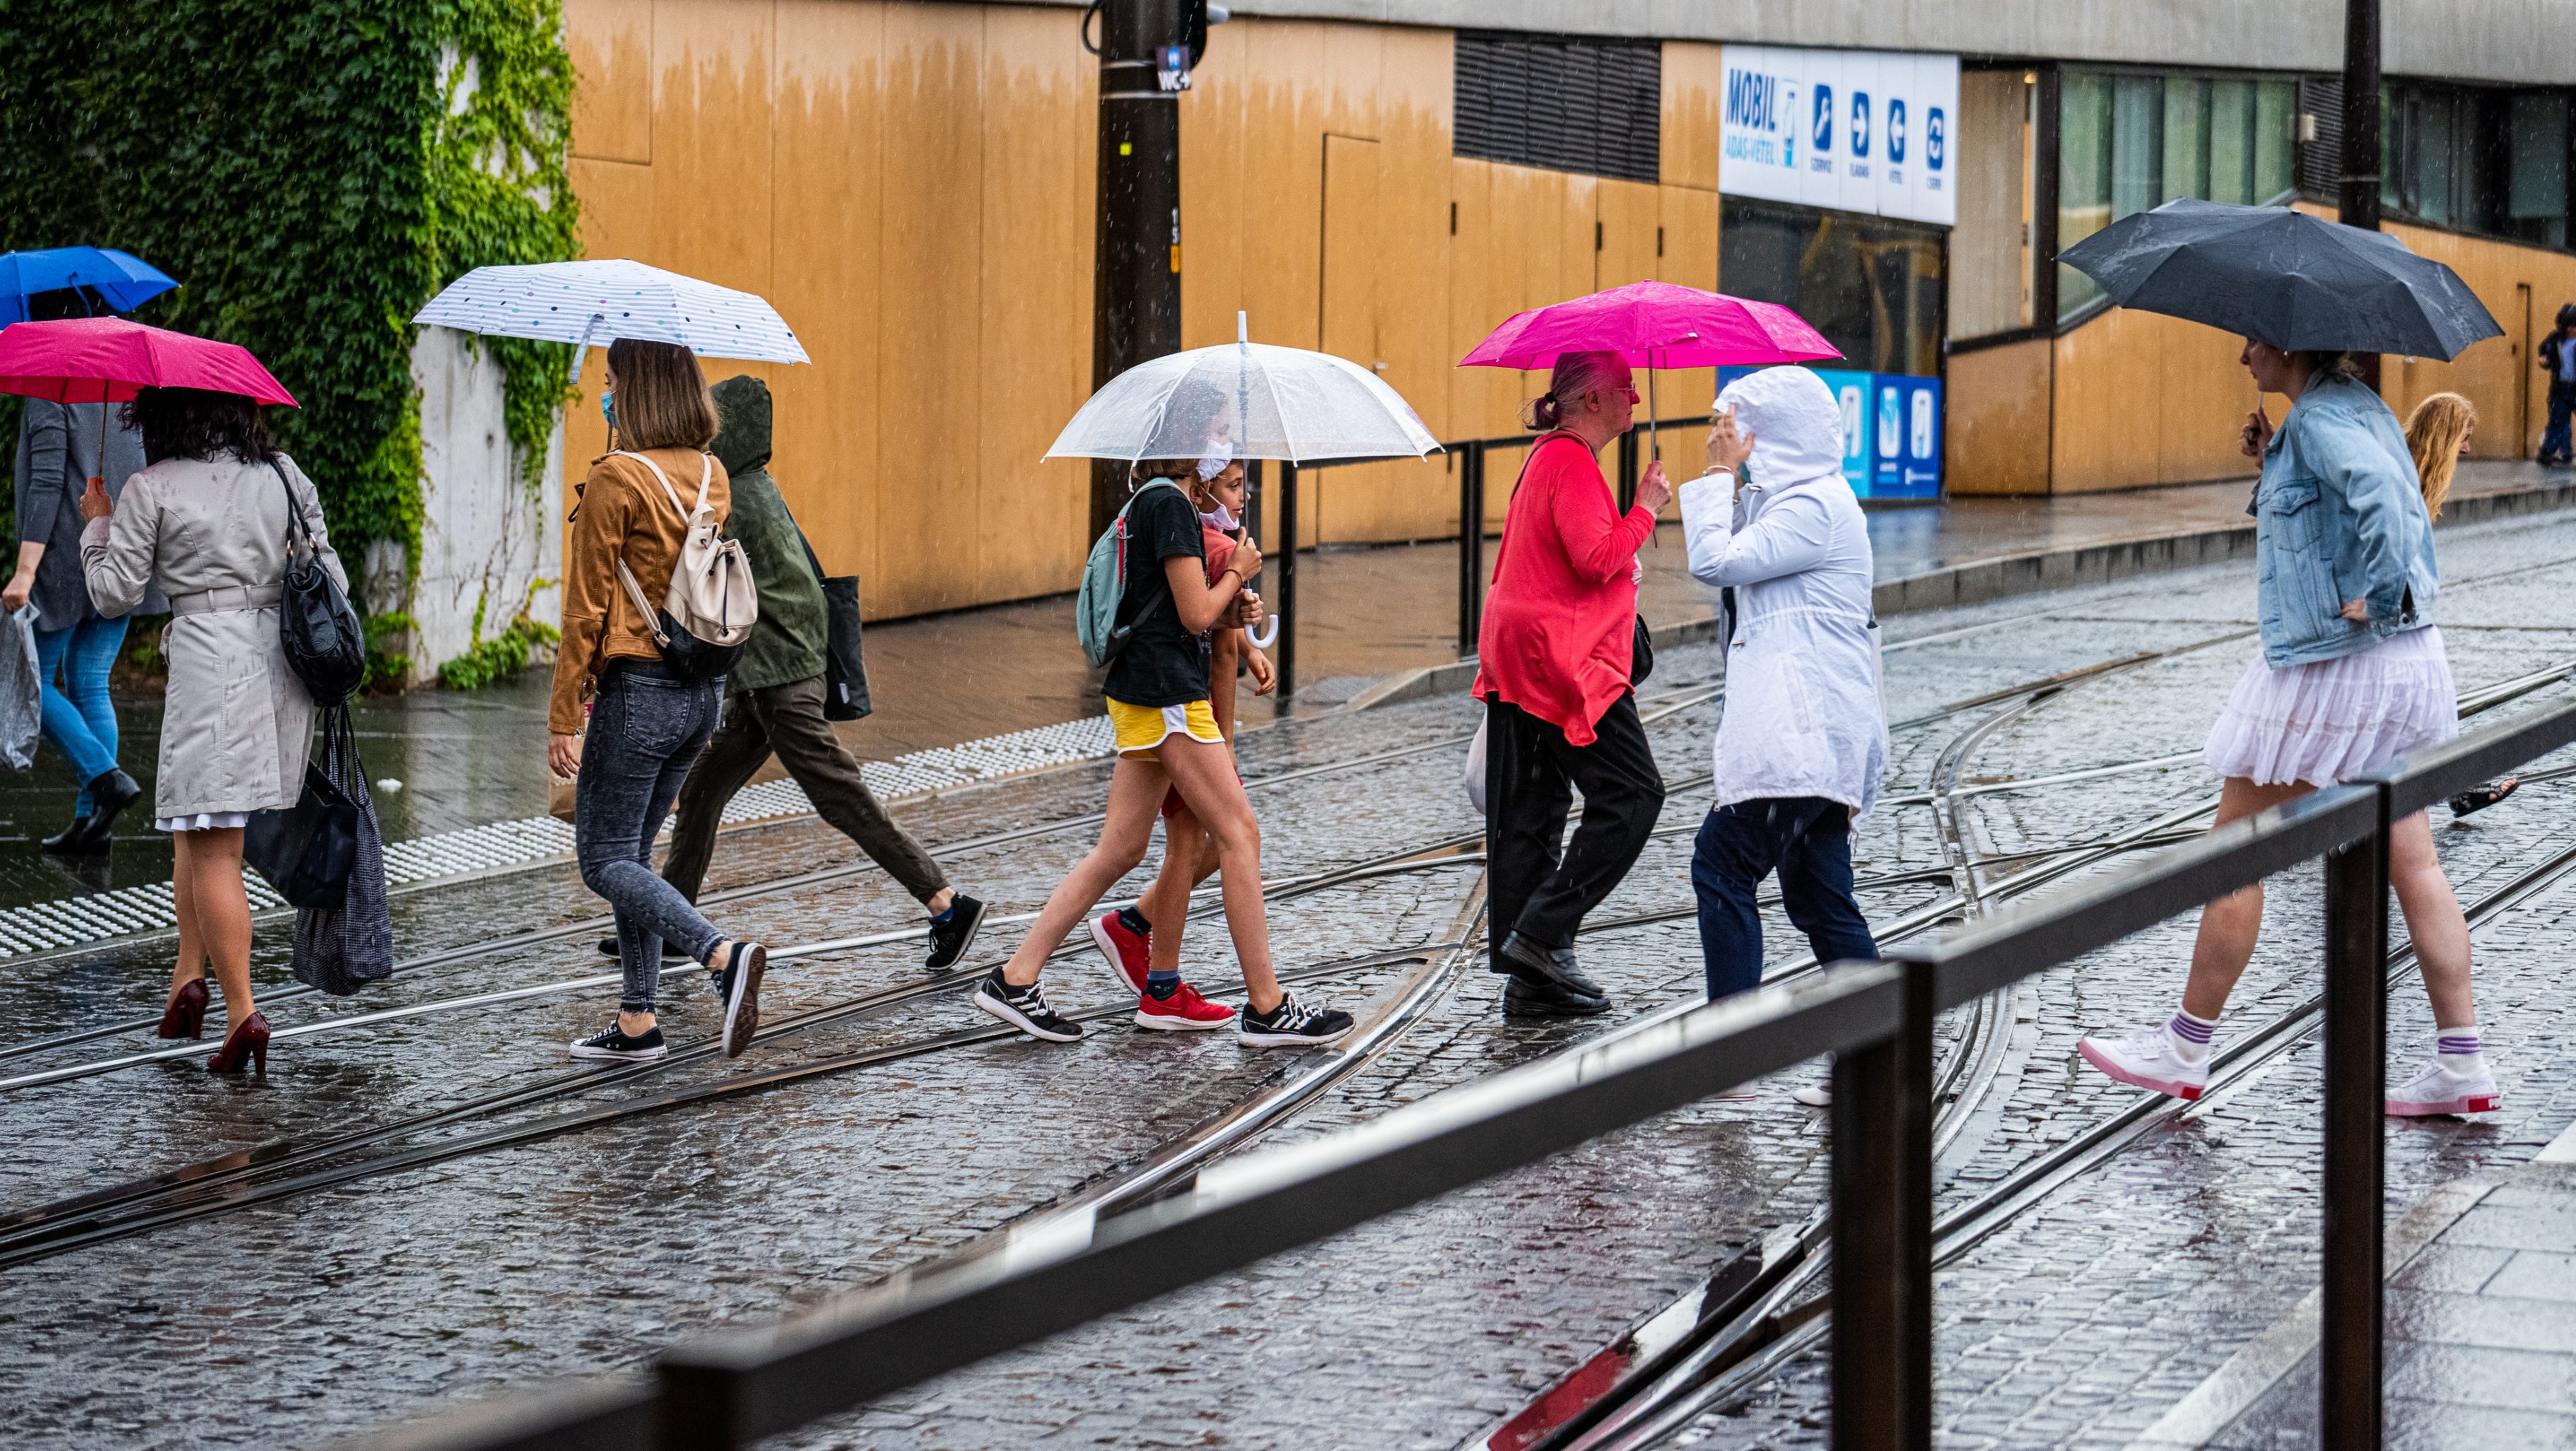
608	406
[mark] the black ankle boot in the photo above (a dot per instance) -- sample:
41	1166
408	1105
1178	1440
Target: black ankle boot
73	840
109	795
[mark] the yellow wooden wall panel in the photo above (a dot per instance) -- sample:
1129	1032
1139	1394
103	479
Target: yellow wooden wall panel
1996	434
2144	399
611	44
711	132
2499	376
1694	98
1040	111
828	132
1689	219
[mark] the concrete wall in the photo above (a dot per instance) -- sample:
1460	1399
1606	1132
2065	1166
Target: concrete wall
488	537
2482	39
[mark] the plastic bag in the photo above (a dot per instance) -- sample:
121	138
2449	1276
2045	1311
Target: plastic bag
1474	776
22	690
342	949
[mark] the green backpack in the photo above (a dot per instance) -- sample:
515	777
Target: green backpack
1104	584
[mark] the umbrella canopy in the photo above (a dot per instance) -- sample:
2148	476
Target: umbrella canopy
1654	325
1245	400
122	278
598	302
2295	281
107	359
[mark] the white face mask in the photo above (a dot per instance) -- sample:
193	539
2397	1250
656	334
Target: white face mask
1222	521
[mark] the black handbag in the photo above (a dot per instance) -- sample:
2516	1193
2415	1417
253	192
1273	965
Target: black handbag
325	645
845	676
1641	654
304	852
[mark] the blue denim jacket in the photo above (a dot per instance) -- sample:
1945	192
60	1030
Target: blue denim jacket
2339	516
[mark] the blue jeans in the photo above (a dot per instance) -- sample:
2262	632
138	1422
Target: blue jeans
2554	442
646	729
79	719
1807	839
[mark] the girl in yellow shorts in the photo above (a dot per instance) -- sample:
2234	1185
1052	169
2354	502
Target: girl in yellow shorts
1168	740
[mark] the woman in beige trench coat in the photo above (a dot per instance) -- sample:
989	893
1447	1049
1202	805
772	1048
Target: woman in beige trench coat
207	519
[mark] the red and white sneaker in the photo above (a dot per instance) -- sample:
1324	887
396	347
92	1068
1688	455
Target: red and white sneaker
1126	952
1183	1012
2435	1089
2148	1059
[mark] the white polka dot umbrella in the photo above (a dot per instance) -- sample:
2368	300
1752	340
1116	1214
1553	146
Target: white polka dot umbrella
583	303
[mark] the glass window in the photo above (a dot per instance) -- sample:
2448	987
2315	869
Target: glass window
2137	144
2231	142
2434	161
2187	161
2276	103
2083	176
2392	167
1872	285
2536	187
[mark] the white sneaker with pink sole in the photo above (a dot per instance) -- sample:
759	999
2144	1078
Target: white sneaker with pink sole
2437	1090
2149	1059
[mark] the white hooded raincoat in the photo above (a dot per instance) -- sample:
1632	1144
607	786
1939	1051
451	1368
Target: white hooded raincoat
1803	714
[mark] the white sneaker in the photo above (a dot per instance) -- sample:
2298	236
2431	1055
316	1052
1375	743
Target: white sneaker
1819	1094
2436	1089
2148	1058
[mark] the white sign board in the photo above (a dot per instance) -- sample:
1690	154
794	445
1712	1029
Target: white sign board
1854	130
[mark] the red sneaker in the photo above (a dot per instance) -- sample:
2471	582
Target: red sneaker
1183	1012
1126	952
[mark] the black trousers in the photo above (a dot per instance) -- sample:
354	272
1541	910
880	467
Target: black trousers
1531	774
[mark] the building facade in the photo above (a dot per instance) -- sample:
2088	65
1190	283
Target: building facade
912	185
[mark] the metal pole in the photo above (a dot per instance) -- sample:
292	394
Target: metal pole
2357	190
2355	1188
1476	558
1882	1235
1287	542
1136	244
1470	528
1627	471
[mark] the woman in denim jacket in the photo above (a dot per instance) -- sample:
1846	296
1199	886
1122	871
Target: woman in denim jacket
2352	676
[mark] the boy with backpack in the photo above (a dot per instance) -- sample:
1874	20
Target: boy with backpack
1145	609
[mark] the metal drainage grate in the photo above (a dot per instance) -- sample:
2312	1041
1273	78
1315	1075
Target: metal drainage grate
530	841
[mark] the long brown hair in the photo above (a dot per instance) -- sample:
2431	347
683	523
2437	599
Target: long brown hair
2434	432
662	397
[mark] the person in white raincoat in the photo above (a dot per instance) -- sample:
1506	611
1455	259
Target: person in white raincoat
1803	740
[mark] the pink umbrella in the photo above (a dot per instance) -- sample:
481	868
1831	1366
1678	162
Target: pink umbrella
108	359
1654	325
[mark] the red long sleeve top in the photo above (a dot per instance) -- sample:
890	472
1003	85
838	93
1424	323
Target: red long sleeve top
1556	637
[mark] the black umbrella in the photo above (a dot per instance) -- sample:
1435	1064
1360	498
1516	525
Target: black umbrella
2293	280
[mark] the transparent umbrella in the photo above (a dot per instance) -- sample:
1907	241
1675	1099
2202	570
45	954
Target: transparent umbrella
1245	400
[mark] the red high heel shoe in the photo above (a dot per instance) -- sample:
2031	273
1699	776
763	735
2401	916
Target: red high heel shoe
244	1044
186	1015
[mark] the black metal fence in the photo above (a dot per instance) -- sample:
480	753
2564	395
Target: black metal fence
730	1389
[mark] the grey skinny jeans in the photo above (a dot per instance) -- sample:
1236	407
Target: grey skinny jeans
646	728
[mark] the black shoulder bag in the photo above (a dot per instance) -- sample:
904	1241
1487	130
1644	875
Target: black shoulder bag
325	645
845	677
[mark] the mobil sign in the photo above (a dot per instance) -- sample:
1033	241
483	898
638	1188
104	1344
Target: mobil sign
1855	130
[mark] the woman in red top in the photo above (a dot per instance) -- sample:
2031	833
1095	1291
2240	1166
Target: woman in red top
1553	666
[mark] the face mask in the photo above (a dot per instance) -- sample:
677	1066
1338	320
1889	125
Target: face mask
1222	521
608	406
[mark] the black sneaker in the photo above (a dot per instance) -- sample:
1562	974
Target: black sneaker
615	1044
950	939
608	948
1294	1023
1024	1008
738	988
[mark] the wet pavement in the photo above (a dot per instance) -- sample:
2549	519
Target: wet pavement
450	1262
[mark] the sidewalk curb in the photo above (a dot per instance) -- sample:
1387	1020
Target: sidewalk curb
2008	575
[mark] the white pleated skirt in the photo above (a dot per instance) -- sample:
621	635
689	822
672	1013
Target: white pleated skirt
2331	720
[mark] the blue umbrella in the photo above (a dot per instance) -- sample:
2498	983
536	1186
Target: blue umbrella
120	277
2295	281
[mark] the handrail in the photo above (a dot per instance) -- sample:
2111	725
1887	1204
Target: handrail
725	1390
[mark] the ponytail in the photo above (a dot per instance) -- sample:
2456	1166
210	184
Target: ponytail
1539	415
1574	375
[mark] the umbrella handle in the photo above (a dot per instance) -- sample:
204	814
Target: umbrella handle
1264	642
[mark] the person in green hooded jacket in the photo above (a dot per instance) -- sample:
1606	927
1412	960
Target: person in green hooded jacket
774	696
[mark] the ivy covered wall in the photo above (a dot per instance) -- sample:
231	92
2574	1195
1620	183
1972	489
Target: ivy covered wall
311	171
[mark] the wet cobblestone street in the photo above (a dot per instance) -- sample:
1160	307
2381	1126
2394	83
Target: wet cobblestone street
457	1269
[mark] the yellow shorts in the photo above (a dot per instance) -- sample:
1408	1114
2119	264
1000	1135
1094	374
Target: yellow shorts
1141	728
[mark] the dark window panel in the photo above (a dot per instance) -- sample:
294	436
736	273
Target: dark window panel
1566	103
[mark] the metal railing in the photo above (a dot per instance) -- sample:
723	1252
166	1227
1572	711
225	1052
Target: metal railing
727	1390
1470	454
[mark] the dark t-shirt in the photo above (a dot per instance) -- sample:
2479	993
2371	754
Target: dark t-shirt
1164	663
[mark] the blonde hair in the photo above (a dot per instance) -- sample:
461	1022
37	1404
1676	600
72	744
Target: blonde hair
662	396
2434	432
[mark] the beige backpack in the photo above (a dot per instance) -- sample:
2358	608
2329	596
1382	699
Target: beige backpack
709	610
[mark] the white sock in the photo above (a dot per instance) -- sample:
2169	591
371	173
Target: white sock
2190	1035
2459	1050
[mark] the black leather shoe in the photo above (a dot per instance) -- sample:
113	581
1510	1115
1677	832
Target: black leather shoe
1524	998
73	839
1531	961
109	794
